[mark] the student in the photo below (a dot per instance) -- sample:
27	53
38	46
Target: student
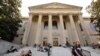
73	49
12	49
78	49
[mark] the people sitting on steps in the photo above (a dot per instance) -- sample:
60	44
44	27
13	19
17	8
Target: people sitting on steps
12	49
29	53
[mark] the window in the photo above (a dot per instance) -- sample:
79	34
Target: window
46	25
81	27
54	25
64	25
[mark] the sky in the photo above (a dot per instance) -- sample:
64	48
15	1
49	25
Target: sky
28	3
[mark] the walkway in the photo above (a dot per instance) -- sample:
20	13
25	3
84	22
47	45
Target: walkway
59	51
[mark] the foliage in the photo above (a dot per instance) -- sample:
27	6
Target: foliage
10	18
94	9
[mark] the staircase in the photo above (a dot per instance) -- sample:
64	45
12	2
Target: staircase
4	46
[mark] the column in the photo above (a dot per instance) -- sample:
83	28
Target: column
69	33
27	30
50	29
63	40
38	29
86	32
73	29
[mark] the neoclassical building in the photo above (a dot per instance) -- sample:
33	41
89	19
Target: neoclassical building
57	23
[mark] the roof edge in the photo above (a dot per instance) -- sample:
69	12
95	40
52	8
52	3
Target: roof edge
53	3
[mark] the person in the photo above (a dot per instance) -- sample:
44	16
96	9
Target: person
49	48
49	45
22	53
73	49
67	44
46	49
93	45
40	48
35	45
29	53
12	49
78	49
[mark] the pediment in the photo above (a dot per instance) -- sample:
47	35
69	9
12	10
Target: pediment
54	6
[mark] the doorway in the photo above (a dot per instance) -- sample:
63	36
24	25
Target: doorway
45	41
55	42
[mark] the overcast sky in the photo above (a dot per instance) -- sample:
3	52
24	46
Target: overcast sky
27	3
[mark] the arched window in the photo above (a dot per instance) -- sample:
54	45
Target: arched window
54	26
46	25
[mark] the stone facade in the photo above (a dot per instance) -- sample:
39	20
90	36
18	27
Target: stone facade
57	24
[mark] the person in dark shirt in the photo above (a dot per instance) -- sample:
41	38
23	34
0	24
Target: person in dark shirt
12	49
73	49
76	49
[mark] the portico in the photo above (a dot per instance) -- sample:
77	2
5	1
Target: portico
54	23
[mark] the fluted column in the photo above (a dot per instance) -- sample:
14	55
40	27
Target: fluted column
27	30
50	29
63	38
73	29
38	29
86	32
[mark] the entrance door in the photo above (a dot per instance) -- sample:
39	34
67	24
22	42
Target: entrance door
55	41
45	42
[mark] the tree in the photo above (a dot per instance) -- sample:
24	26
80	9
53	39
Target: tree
10	19
94	9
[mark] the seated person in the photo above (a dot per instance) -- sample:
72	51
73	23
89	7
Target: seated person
12	49
29	53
